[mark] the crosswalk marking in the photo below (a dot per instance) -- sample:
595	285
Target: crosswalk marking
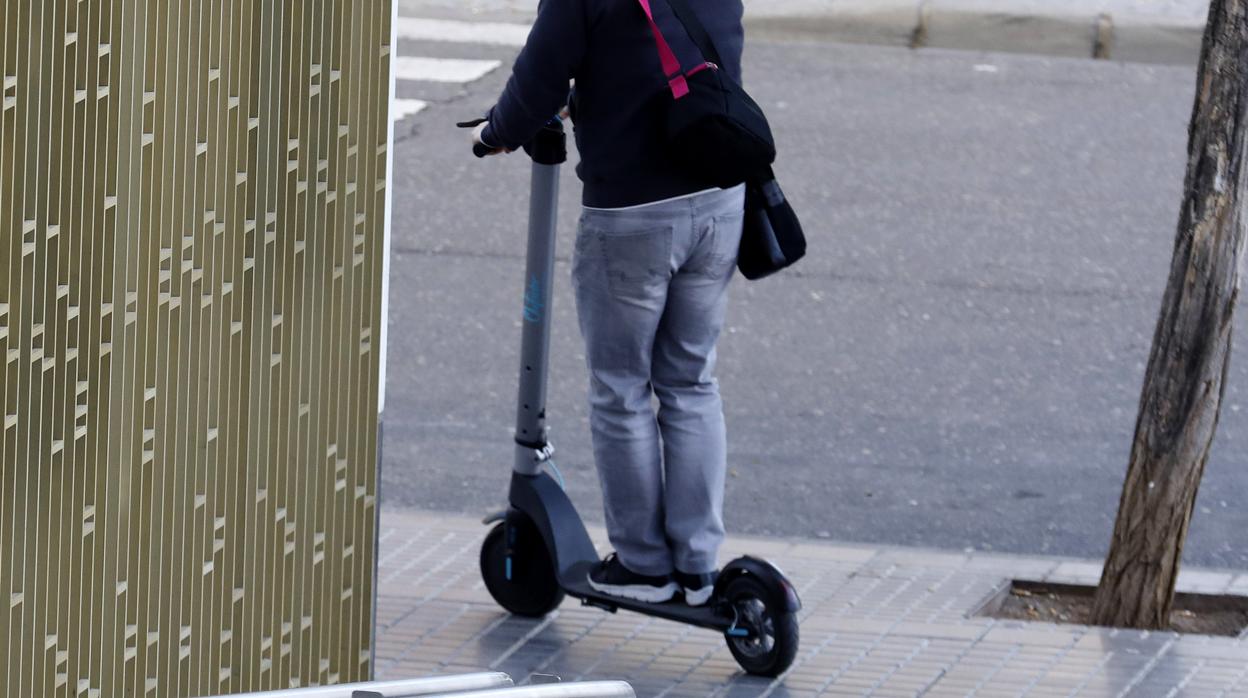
429	69
442	69
407	107
492	33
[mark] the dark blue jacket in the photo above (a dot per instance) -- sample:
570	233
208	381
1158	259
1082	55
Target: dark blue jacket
621	94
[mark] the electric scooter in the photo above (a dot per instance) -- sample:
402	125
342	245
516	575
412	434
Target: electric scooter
538	550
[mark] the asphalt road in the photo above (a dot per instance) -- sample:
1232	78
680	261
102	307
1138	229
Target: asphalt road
957	363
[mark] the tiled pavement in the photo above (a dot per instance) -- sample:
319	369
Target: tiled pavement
875	622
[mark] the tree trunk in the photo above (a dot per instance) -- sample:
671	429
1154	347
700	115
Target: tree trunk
1187	369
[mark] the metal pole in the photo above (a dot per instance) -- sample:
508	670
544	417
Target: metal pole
437	685
597	689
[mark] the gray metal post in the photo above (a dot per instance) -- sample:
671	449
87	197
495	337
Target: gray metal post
403	688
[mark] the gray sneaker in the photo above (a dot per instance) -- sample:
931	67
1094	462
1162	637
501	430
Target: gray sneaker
698	587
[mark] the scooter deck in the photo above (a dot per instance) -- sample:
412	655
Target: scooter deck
576	584
544	502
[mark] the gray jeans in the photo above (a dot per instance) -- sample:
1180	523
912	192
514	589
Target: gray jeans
651	285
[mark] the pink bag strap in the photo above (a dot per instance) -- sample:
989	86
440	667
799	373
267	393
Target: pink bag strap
671	65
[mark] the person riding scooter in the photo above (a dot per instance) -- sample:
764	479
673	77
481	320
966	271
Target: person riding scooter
655	252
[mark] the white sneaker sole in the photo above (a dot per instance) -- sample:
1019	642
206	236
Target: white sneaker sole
698	597
637	592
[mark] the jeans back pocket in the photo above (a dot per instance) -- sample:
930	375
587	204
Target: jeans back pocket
637	263
716	253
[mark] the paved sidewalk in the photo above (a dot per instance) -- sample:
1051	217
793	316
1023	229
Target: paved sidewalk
876	621
1157	31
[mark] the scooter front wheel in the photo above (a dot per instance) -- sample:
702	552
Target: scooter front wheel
764	637
520	575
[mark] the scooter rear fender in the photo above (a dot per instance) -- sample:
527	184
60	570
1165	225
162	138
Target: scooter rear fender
780	590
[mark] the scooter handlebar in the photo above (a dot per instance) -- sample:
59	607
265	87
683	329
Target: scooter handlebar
478	149
549	147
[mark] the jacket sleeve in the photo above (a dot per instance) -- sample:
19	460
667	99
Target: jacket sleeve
538	86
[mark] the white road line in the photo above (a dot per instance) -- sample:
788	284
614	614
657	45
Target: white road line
494	33
442	69
406	107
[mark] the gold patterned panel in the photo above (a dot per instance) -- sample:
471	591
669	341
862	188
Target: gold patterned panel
192	205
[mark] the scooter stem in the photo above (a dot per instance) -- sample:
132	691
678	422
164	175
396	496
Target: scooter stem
548	151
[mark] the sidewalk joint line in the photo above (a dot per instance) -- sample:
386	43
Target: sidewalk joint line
515	647
1148	668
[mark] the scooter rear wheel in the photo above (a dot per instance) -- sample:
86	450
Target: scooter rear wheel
526	584
771	644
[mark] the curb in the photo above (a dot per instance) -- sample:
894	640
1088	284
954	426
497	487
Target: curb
1095	30
1150	31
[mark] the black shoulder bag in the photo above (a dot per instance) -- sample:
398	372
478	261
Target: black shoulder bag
716	130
